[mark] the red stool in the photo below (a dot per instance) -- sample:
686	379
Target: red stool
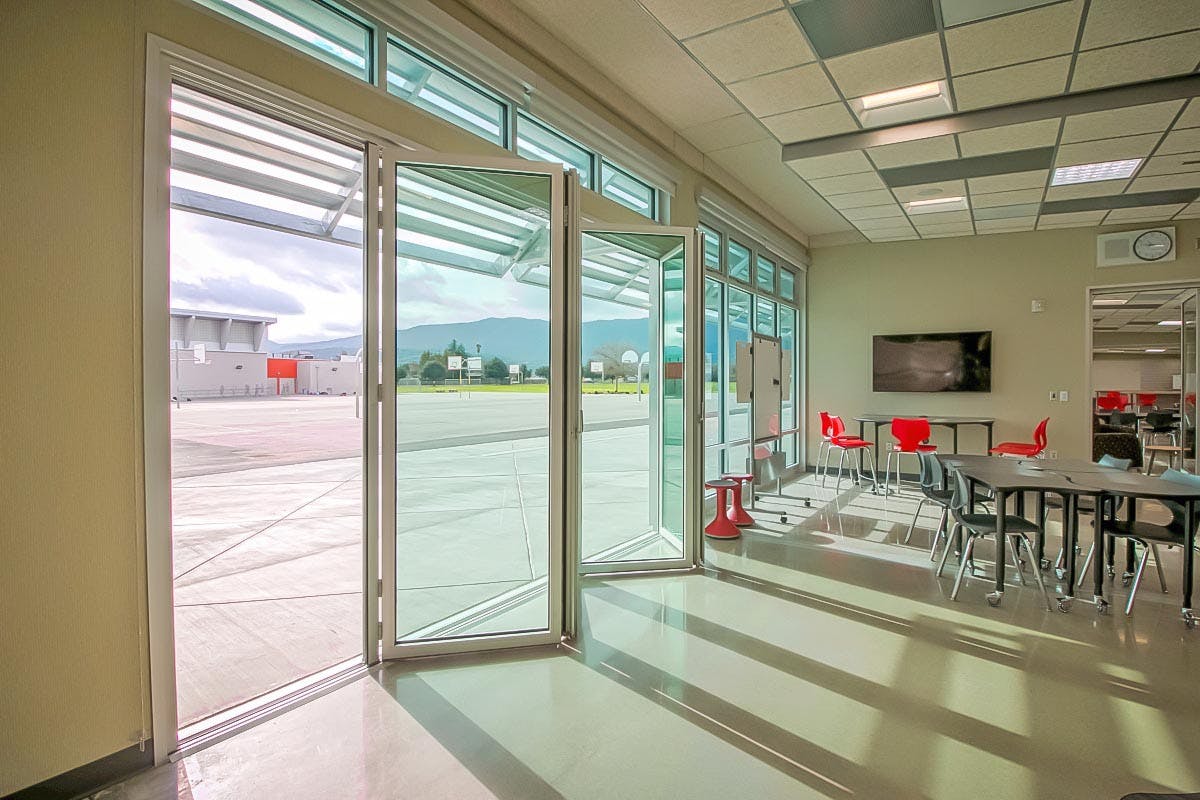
722	527
737	513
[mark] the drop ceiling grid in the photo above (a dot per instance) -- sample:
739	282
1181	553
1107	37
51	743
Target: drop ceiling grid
1046	24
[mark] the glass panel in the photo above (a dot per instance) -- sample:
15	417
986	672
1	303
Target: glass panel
538	143
631	355
1189	350
787	284
472	489
737	329
619	185
319	29
712	248
712	361
712	462
764	317
266	435
738	262
416	79
787	341
764	275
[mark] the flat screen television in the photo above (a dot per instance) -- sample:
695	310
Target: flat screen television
933	362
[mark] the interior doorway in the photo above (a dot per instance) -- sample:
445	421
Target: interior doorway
1143	366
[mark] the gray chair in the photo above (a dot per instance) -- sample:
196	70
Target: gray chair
933	477
1160	423
1087	506
1016	529
1148	535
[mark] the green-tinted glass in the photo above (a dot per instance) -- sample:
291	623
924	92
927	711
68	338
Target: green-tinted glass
738	261
416	79
712	248
538	143
764	275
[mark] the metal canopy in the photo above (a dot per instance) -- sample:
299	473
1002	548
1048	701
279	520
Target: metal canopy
239	165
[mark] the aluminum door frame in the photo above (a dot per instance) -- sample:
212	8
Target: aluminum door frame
560	213
693	403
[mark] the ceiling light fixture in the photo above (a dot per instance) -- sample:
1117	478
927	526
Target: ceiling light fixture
1108	301
1100	171
1171	322
936	204
1156	350
902	95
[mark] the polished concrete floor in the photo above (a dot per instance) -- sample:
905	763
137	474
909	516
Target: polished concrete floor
267	522
819	657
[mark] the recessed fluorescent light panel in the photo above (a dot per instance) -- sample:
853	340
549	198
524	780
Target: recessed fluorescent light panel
936	205
1108	301
1101	171
1171	322
1156	350
902	95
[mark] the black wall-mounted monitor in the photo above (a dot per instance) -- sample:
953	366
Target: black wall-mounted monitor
932	362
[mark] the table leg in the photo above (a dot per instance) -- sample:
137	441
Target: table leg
1189	553
1040	511
955	429
1098	553
971	499
989	430
1070	537
1001	547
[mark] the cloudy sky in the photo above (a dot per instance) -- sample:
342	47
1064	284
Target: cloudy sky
314	288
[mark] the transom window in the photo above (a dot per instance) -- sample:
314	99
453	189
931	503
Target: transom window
427	85
537	142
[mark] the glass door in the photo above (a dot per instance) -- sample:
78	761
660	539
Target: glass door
473	410
637	406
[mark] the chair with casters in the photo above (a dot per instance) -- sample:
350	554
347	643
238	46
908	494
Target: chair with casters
1034	449
933	477
1149	536
1085	505
910	435
1016	530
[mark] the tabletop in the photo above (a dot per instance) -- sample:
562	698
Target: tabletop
1072	475
936	420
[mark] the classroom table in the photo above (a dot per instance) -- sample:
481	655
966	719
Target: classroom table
953	423
1072	478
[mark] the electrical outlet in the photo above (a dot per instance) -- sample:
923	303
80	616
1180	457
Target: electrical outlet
1052	454
1063	396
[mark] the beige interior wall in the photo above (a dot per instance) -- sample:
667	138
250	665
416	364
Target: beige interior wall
74	683
973	283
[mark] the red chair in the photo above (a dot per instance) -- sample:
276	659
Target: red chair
1112	401
722	526
737	512
1147	400
910	435
1025	449
838	440
826	437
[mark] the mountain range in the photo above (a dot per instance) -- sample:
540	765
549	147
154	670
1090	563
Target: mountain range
514	340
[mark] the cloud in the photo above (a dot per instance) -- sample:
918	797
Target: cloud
234	295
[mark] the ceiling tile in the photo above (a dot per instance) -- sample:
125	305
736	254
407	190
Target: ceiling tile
1006	212
1026	135
727	132
827	166
1095	189
1143	213
929	191
1012	225
1150	118
1190	118
919	151
1011	39
763	44
992	199
868	213
836	27
1035	179
876	197
1074	217
686	18
844	184
892	66
1184	141
1112	21
787	90
1138	61
1011	84
1170	165
888	237
959	12
1186	180
926	220
946	227
882	224
811	123
1106	150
